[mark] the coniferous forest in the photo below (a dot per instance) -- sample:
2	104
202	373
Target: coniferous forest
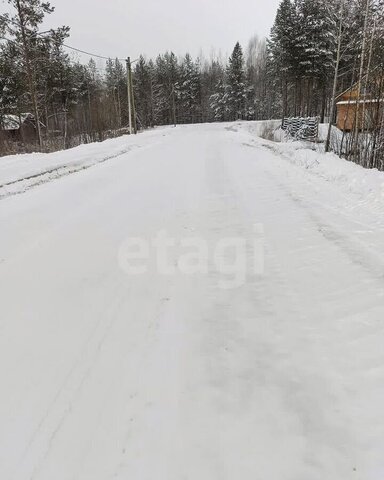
316	50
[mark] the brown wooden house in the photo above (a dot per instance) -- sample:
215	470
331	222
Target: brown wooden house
364	110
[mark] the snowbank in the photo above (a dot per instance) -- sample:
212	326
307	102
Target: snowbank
21	172
367	185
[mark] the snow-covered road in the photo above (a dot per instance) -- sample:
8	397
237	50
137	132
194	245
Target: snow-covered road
106	375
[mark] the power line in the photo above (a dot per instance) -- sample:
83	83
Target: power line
75	49
90	54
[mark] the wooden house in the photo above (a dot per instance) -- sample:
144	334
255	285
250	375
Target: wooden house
19	127
364	110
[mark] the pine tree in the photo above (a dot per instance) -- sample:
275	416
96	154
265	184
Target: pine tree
12	81
220	102
168	80
189	89
236	83
116	85
212	74
143	93
23	28
283	44
284	52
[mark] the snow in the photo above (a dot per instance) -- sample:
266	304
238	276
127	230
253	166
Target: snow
360	187
351	102
12	122
19	173
108	375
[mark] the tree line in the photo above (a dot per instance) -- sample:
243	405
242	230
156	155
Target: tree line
320	48
316	49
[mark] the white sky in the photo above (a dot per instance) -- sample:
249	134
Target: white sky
119	28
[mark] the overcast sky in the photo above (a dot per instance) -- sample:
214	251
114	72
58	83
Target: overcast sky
119	28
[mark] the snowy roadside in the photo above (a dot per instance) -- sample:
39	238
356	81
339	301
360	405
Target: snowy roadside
366	186
19	173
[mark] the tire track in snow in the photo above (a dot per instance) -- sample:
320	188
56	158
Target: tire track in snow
22	185
307	220
71	387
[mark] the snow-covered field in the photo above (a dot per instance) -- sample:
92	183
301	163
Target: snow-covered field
169	376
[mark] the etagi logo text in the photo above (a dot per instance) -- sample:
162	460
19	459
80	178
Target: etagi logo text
234	258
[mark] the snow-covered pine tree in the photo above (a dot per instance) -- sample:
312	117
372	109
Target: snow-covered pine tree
236	83
143	93
167	78
22	27
212	72
315	50
189	90
115	78
283	53
220	102
13	86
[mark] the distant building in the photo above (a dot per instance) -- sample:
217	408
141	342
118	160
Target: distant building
19	127
350	109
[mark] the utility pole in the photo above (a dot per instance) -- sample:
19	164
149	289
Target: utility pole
129	94
133	105
173	105
131	99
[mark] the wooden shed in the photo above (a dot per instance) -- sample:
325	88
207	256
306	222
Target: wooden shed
351	109
19	127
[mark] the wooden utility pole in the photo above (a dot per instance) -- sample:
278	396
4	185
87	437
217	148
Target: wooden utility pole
133	105
118	105
131	99
173	105
129	94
